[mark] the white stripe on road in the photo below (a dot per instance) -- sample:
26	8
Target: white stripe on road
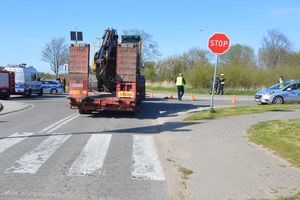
146	165
91	159
33	160
57	123
12	140
63	123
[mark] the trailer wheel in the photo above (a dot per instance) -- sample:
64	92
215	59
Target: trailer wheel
84	112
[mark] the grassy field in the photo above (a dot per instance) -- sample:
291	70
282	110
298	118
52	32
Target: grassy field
241	110
201	90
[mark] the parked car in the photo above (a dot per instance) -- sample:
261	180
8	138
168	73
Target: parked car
290	93
52	87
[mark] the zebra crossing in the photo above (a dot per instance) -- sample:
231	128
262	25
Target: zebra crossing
145	161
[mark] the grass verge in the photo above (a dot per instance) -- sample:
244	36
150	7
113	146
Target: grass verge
228	91
241	110
294	197
283	137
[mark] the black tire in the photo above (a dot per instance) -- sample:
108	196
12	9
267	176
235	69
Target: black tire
81	111
53	91
278	100
28	93
41	92
84	112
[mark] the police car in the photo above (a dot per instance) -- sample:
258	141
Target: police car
52	87
290	93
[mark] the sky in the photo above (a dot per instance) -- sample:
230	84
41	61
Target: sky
176	25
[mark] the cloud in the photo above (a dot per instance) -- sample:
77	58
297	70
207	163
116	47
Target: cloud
285	11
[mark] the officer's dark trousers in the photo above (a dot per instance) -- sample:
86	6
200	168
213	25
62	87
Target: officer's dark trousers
221	89
180	90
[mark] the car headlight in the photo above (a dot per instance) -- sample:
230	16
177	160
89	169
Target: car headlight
270	93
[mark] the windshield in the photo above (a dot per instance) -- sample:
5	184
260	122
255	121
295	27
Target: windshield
277	86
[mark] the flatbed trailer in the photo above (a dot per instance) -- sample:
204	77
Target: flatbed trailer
123	81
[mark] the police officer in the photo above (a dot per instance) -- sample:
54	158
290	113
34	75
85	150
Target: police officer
216	85
64	83
180	82
281	82
221	84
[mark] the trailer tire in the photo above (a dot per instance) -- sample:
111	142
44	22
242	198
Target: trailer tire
84	112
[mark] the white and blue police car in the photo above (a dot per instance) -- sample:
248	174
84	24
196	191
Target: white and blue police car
277	94
52	87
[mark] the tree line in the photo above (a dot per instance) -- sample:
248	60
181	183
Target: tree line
243	69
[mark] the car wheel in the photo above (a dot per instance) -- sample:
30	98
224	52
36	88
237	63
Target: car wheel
53	91
278	100
41	92
28	93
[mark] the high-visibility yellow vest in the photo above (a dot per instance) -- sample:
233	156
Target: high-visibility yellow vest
281	84
179	81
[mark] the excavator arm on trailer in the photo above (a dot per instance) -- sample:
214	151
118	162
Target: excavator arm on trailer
105	61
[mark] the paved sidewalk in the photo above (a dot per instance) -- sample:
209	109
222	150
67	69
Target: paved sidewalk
225	164
13	106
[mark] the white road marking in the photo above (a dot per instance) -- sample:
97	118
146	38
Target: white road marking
63	123
12	140
146	165
33	160
57	123
91	159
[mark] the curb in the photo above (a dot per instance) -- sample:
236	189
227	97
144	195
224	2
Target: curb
13	111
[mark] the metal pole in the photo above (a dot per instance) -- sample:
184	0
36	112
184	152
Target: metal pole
214	81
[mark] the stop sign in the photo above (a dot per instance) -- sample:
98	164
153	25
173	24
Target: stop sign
219	43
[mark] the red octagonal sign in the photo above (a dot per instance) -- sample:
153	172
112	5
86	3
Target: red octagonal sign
219	43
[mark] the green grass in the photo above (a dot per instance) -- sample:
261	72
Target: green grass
227	91
241	110
283	137
294	197
185	173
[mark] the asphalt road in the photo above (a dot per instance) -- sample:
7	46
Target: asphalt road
51	152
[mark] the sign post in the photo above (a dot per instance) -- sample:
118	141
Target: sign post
218	43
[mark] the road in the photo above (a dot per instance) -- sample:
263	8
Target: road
51	152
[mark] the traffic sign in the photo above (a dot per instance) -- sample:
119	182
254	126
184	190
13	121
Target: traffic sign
219	43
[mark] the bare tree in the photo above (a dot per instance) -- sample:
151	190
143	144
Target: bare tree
239	54
150	47
275	49
56	54
194	56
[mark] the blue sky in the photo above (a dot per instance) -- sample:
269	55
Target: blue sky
176	25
